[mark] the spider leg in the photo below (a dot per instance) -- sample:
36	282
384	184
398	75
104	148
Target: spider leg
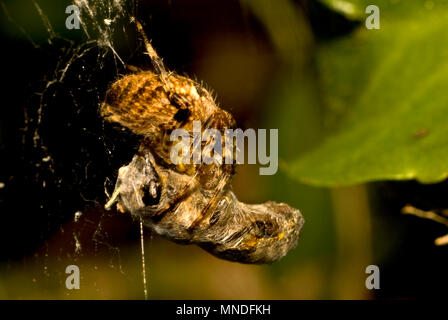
155	59
189	187
217	195
223	179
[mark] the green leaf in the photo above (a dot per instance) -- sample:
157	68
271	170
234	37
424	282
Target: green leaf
386	92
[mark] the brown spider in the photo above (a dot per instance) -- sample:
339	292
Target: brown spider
189	203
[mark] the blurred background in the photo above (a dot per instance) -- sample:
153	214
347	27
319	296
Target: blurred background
259	59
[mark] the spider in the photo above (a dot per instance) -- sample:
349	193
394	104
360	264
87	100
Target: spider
189	203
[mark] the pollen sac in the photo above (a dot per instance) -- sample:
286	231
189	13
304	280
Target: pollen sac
235	231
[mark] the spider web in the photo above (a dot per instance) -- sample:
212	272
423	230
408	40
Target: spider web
69	155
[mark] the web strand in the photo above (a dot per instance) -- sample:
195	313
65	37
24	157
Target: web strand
142	244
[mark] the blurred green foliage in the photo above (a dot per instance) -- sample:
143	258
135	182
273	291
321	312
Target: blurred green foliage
329	247
384	92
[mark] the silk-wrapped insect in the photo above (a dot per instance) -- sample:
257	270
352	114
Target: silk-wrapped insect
189	203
